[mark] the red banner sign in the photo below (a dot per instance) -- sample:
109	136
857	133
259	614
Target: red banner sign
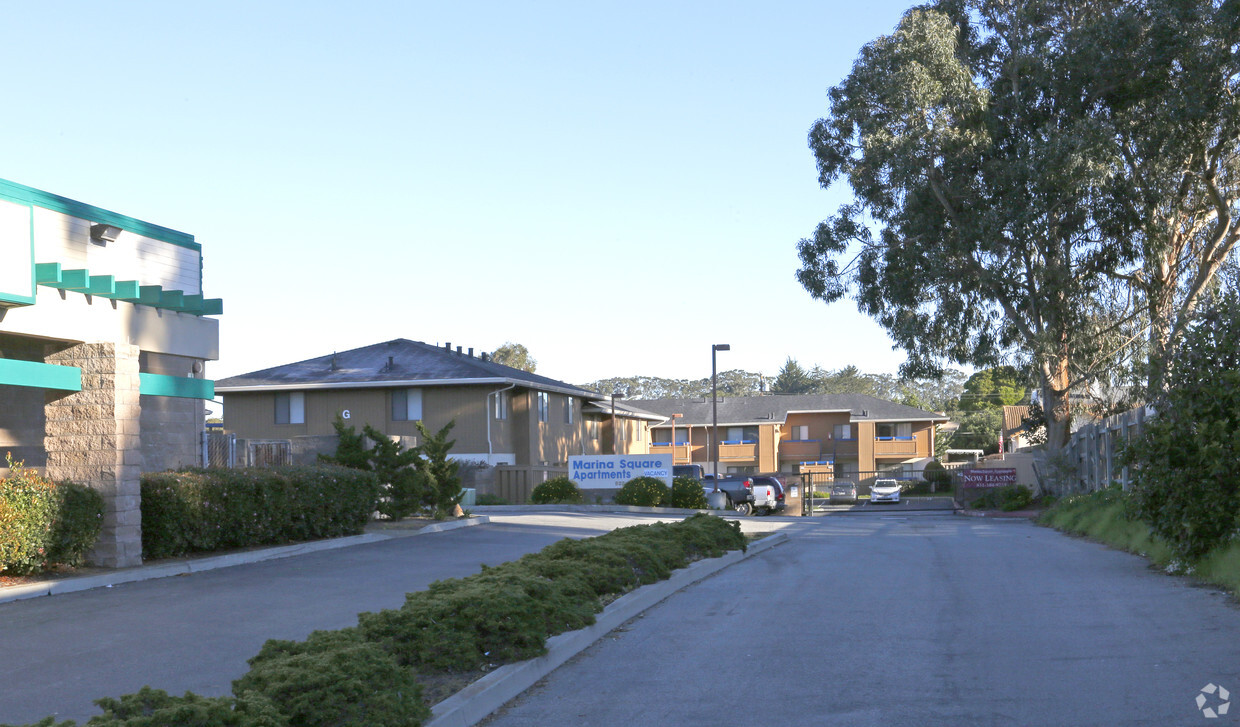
987	478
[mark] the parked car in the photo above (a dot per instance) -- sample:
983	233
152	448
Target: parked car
739	490
842	492
692	471
885	491
768	495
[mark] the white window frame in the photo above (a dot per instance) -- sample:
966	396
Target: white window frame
544	405
569	402
501	405
290	406
412	411
846	429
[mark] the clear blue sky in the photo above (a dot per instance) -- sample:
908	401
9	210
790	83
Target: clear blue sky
614	185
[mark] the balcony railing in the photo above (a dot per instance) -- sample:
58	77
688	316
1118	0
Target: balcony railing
895	446
681	451
738	450
802	450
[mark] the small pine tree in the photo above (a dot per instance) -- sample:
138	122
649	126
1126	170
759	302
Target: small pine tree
350	448
444	490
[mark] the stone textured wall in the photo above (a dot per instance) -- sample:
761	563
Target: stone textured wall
171	432
93	437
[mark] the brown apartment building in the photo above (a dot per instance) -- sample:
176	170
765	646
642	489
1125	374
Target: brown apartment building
501	415
860	435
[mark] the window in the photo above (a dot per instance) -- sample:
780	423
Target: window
501	405
902	430
799	433
592	428
568	409
742	435
406	405
843	431
544	404
291	408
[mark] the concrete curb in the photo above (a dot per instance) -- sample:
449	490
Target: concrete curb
474	703
498	509
212	562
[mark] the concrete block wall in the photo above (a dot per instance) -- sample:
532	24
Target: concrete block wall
93	437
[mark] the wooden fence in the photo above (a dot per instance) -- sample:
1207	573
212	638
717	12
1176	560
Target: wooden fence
1090	461
514	483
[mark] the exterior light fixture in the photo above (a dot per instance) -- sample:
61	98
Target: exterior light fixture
103	233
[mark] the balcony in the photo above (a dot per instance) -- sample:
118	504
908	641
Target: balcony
680	451
801	450
895	446
840	448
737	451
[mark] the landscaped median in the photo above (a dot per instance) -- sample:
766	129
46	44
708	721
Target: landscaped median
395	663
1106	516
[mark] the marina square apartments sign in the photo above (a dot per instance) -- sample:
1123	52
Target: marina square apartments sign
605	471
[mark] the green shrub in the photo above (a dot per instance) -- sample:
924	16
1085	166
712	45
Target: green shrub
1109	517
488	498
1008	498
643	492
203	510
79	518
938	476
334	678
1186	462
156	708
555	491
44	523
688	493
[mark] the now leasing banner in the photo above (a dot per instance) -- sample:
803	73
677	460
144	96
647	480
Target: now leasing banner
613	470
987	478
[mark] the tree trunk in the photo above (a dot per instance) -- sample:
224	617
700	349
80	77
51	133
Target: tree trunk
1056	403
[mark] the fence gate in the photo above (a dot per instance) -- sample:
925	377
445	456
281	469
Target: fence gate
219	449
271	453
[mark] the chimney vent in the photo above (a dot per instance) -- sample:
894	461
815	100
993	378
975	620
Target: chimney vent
448	346
471	352
458	350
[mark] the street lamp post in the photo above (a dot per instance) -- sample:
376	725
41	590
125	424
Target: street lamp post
714	409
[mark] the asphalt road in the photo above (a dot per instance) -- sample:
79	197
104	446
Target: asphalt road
917	619
60	653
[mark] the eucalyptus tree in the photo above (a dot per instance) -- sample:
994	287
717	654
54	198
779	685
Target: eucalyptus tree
985	142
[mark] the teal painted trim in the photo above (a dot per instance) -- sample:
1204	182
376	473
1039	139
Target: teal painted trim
107	286
150	294
47	200
125	290
40	375
191	304
104	285
47	274
74	280
177	386
171	299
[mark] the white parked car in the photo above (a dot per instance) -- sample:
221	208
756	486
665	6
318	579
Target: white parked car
885	491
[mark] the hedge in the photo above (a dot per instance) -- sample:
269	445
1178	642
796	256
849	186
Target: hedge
45	523
197	510
555	491
366	676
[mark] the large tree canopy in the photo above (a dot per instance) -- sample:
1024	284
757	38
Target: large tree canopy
986	144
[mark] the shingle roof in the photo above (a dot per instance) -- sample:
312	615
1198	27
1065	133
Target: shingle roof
399	362
736	410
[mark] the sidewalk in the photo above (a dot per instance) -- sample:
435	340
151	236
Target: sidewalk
86	578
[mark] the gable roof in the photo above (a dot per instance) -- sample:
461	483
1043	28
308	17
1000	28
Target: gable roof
396	363
774	408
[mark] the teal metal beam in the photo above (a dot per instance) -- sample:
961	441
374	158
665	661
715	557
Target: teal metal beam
101	285
74	279
126	290
150	294
47	273
176	386
40	375
171	299
213	307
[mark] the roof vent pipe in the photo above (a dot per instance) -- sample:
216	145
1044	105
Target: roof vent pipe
471	352
448	346
458	350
